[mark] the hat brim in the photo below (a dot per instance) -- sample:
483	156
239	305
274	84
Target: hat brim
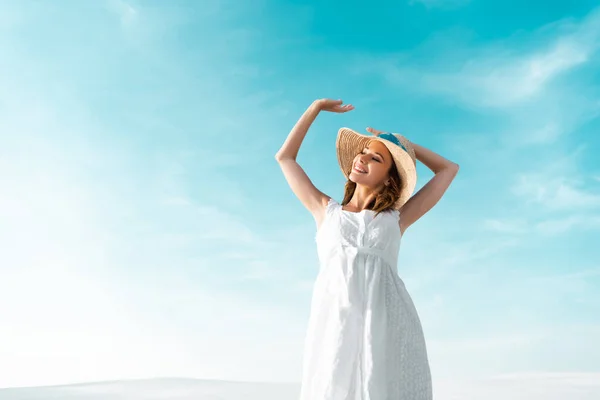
349	143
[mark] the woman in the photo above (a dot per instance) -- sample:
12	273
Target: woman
364	338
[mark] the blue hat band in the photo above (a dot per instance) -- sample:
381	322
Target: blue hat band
392	138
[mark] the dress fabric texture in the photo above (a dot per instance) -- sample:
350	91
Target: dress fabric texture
364	339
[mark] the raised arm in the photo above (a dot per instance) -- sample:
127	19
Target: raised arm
424	200
311	197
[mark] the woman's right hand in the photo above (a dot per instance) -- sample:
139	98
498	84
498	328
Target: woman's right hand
333	106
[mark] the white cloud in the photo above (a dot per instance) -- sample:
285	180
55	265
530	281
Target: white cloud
547	133
513	226
554	192
548	226
552	197
497	76
556	183
505	81
568	224
126	12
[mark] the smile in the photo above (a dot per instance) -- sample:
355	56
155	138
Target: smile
359	169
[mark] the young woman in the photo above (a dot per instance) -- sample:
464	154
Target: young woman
364	339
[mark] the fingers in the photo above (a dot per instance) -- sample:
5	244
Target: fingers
374	131
344	108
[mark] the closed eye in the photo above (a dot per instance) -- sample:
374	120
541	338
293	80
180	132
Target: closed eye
376	158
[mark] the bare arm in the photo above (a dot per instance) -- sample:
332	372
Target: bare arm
311	197
429	195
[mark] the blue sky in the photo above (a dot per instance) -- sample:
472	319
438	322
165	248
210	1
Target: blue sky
147	230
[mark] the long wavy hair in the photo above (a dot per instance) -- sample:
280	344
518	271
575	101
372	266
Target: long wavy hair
385	199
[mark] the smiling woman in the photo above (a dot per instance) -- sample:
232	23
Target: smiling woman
383	158
372	164
364	337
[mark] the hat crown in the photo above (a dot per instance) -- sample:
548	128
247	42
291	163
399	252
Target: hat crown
401	142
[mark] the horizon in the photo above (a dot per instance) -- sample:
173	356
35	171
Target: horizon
525	387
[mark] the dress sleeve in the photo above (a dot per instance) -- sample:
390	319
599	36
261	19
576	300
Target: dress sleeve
331	205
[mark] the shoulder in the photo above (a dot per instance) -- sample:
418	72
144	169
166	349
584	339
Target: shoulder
327	205
329	202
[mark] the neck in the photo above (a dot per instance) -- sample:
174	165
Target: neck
362	197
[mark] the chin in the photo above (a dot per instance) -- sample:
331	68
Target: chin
359	179
354	177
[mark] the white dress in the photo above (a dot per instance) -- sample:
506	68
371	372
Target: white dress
364	339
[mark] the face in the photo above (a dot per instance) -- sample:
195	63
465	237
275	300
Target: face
371	166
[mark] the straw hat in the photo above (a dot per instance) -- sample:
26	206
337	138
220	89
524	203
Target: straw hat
349	143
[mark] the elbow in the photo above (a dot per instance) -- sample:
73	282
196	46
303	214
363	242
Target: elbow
454	167
450	167
279	157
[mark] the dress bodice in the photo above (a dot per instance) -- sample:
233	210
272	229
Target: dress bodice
359	232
